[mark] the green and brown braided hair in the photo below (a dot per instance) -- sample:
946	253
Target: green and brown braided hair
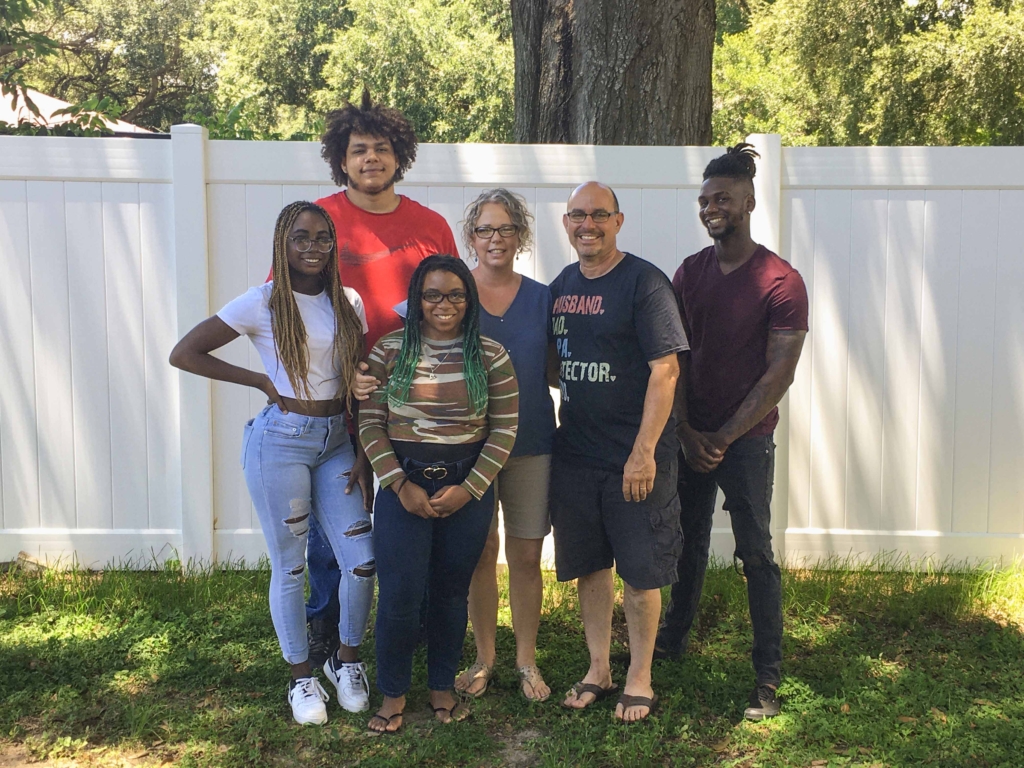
400	380
289	330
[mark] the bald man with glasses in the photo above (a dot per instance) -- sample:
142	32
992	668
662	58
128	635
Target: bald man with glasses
613	499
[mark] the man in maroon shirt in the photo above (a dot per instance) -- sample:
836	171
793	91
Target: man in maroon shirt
745	314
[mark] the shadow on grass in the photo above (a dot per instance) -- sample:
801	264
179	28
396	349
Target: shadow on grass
888	668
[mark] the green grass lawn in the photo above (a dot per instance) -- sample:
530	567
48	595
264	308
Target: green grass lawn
882	668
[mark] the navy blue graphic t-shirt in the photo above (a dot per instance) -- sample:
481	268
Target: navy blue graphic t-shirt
607	330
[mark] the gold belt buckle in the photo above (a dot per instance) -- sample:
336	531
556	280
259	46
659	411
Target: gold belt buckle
435	472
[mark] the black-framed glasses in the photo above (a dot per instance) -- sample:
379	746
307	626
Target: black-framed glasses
436	297
304	244
505	230
600	216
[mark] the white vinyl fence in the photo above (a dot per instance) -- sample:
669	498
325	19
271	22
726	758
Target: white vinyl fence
904	431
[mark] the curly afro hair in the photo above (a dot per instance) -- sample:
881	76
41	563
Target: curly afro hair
736	163
372	120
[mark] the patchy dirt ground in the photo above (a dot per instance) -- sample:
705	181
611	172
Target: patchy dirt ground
17	756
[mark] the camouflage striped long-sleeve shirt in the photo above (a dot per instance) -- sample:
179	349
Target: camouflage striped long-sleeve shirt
438	409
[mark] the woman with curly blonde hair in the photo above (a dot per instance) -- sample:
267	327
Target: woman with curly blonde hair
515	311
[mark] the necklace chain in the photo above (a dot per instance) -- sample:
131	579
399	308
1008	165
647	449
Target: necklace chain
431	375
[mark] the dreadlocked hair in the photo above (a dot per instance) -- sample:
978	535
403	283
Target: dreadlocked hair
289	330
368	119
475	371
736	163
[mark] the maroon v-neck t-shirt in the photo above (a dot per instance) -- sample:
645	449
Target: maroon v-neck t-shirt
727	320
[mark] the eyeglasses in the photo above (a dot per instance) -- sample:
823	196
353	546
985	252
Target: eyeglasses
303	244
599	216
505	230
436	297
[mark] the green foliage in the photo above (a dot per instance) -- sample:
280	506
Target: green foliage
271	61
447	65
84	119
19	46
849	72
146	55
952	84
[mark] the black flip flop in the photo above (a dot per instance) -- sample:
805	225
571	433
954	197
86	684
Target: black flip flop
627	701
578	689
387	722
450	711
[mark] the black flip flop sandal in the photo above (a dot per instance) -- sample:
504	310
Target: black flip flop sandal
450	711
387	722
593	689
627	701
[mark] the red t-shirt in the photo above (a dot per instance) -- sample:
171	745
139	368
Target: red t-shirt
378	252
727	320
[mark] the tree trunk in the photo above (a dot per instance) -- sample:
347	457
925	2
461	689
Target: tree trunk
613	71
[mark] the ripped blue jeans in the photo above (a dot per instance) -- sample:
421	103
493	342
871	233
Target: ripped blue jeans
296	466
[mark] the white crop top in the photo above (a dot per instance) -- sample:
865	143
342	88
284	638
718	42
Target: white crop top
249	315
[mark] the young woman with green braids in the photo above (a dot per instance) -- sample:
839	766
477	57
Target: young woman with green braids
437	431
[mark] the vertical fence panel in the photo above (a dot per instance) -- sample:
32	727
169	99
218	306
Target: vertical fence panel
1006	491
229	277
691	236
125	322
657	234
631	235
291	193
420	194
938	360
553	250
829	356
866	367
90	368
448	201
18	408
51	335
798	250
156	217
975	341
900	406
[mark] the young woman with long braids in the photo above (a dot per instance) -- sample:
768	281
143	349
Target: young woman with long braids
437	432
296	454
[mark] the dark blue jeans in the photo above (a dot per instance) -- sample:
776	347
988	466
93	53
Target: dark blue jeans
324	577
745	476
324	573
409	550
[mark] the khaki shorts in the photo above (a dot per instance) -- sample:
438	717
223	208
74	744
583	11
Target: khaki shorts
521	488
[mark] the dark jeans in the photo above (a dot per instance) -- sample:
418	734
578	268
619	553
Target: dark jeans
324	576
323	570
745	477
409	550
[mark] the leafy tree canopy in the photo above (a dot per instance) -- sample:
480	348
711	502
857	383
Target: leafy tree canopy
893	72
447	65
817	71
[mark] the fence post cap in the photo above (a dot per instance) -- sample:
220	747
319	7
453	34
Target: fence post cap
188	128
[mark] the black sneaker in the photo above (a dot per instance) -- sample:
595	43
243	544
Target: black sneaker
763	704
323	641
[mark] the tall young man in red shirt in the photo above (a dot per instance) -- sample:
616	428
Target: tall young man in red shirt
745	314
382	237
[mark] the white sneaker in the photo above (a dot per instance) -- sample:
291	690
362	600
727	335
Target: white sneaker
307	698
351	684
